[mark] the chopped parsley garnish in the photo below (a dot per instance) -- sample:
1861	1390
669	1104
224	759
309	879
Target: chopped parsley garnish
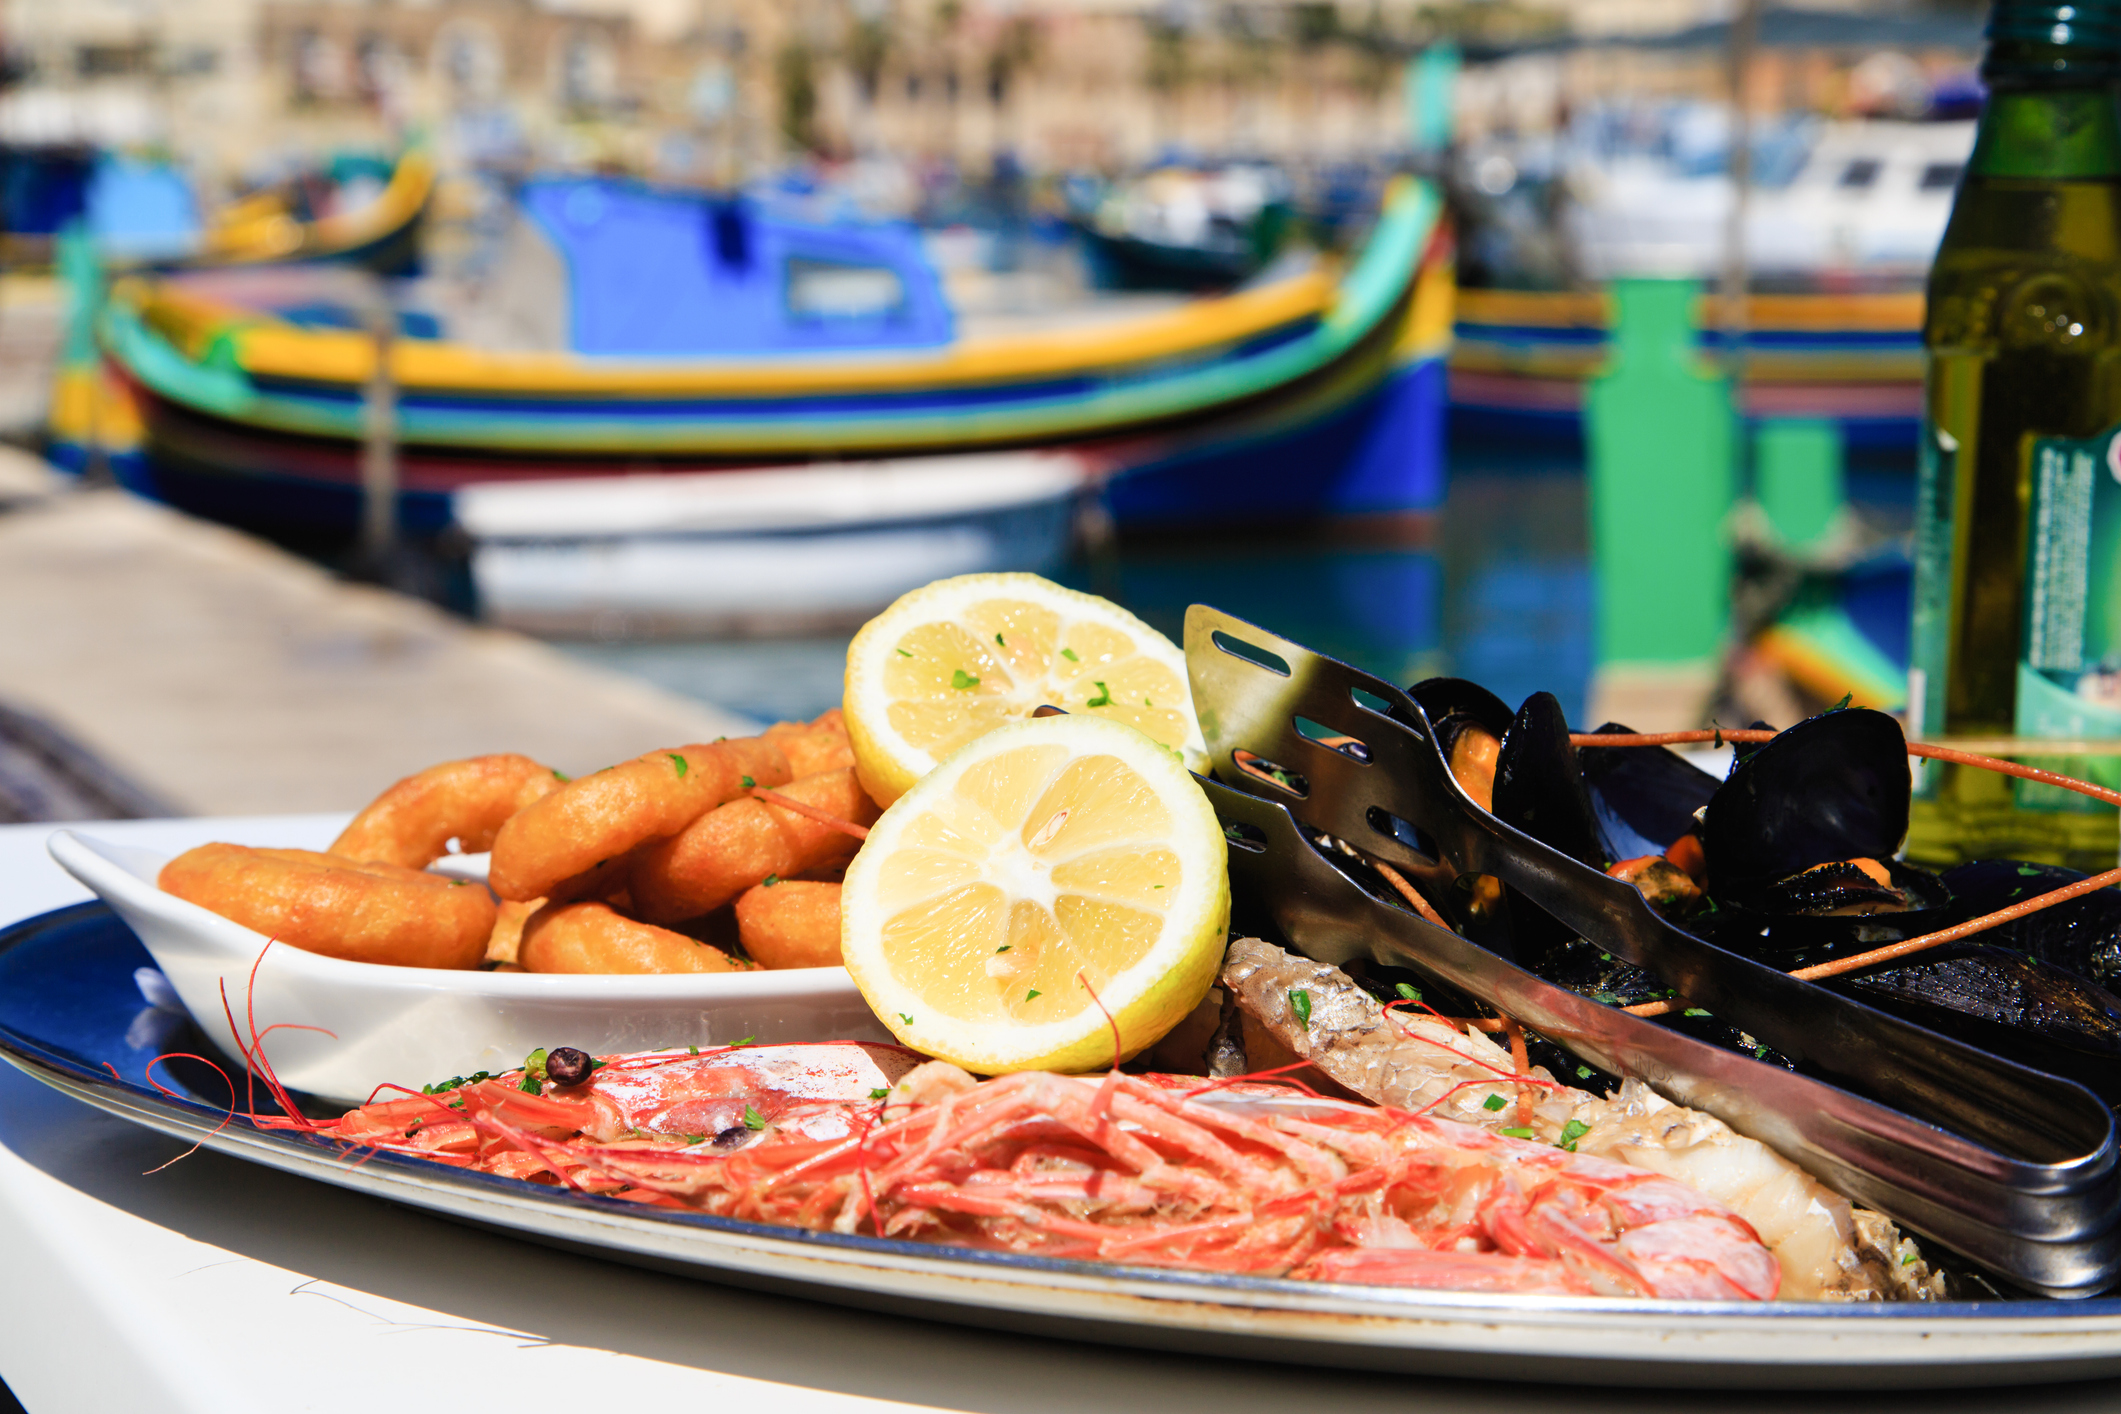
1696	1011
1069	654
747	1040
1005	947
562	777
456	1082
1493	1102
694	1049
679	762
1300	1003
1583	1072
962	680
1907	1259
533	1072
1147	703
1032	995
771	880
905	1018
904	654
752	1118
458	883
883	1093
695	1138
1517	1132
1000	641
1574	1130
749	784
1408	992
1103	698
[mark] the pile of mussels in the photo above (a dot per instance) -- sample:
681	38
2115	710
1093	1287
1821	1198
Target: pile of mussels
1789	860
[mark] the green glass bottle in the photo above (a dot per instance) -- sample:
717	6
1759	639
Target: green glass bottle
2010	633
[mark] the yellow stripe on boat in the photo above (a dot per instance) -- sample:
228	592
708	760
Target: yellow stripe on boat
1582	309
260	231
265	347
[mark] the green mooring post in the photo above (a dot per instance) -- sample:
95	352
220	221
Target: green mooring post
1797	479
1661	439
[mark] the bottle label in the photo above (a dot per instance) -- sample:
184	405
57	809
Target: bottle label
2069	674
1936	488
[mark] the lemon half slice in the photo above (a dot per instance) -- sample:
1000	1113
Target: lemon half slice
959	657
1047	867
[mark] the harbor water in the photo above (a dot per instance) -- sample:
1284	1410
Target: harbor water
1496	586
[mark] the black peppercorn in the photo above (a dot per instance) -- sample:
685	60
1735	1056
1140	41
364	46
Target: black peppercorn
567	1066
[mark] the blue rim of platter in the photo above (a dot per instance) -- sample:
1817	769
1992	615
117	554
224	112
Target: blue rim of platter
73	1014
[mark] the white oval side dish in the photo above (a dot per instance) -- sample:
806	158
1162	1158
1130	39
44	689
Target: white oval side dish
415	1025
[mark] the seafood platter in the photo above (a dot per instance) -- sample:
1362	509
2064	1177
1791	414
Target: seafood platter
1217	997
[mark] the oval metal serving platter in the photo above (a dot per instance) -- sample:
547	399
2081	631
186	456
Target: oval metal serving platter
73	1014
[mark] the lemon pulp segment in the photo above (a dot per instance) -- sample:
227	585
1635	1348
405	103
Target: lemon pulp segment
951	682
950	662
1053	872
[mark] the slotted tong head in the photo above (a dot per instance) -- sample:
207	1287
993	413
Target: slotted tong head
2011	1167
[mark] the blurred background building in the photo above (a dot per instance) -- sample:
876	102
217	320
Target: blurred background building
703	179
720	90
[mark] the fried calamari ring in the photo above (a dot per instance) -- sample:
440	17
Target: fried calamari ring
791	923
412	823
506	940
740	844
593	820
345	908
815	747
590	937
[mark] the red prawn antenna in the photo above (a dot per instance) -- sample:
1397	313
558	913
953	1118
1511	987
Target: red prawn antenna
1082	979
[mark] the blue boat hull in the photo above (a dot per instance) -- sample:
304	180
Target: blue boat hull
1380	456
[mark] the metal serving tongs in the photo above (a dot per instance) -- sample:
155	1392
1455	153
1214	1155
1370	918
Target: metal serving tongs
2013	1168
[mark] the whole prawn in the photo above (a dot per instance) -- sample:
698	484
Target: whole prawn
1828	1249
1156	1170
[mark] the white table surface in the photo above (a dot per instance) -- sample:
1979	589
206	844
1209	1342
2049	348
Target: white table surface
217	1285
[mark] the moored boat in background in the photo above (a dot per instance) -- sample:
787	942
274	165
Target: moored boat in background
1306	395
772	551
1520	359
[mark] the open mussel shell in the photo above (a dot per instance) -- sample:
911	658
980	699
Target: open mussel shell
1539	786
2082	935
1539	789
1789	940
1645	796
1452	704
1832	787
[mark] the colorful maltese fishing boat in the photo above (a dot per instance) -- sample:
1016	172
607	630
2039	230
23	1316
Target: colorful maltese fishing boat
1317	394
92	414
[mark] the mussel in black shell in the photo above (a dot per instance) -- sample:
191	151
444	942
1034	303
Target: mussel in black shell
1470	723
2082	935
1645	797
1830	788
2006	1003
1799	845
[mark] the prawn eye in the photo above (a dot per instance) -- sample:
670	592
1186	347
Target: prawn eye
568	1066
734	1137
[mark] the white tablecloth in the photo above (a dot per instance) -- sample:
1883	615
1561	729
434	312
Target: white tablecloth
215	1285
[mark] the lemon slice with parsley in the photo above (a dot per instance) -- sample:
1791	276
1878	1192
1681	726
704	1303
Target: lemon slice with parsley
1049	874
957	658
